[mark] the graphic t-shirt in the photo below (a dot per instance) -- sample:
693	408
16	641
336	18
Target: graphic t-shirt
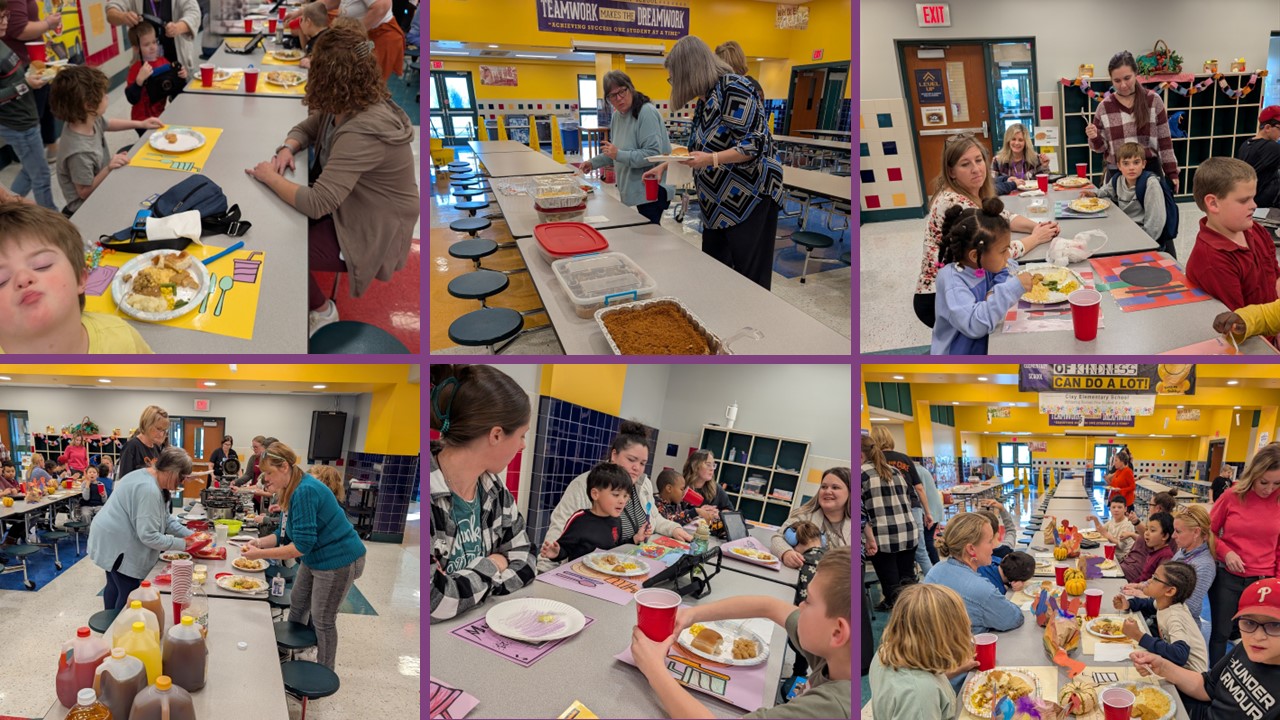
469	544
1240	688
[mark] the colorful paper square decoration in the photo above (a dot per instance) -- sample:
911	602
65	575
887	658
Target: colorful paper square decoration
1046	112
899	199
862	125
868	176
873	202
863	150
885	120
895	174
890	148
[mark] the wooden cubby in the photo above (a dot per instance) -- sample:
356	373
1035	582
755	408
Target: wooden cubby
752	467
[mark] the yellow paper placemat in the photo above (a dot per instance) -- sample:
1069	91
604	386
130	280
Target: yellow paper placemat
1103	675
232	83
232	304
1047	676
273	89
270	59
192	162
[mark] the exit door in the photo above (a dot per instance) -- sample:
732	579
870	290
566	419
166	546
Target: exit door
453	107
806	98
946	96
1217	448
199	437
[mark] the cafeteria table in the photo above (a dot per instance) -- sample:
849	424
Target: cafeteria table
833	133
787	576
584	667
810	142
1123	235
725	301
817	183
252	128
239	683
223	59
607	211
511	164
210	586
491	147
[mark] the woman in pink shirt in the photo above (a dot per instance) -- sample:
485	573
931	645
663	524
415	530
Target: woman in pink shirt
76	458
1246	521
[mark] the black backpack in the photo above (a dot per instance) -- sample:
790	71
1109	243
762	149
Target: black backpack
1170	230
195	193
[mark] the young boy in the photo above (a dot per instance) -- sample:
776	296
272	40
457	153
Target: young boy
148	98
78	97
1147	211
311	25
1010	573
42	284
671	504
598	527
821	627
1118	530
1244	684
1002	525
1233	259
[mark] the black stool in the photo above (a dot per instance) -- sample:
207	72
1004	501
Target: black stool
21	553
488	327
349	337
470	225
308	681
479	285
473	250
811	241
53	536
280	605
469	182
471	206
468	192
288	573
292	636
100	621
75	526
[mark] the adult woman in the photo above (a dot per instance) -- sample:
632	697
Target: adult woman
135	525
885	499
638	132
737	175
224	453
1132	114
479	546
733	56
251	471
967	544
316	530
1121	481
1193	536
76	456
362	197
830	510
24	26
144	447
629	449
1246	522
700	476
179	20
920	510
966	181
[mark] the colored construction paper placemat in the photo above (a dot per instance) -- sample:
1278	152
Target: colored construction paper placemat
577	711
1127	278
576	576
273	89
191	162
231	308
518	652
450	702
1214	346
231	83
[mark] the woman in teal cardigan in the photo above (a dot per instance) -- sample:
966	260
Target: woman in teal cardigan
637	133
315	528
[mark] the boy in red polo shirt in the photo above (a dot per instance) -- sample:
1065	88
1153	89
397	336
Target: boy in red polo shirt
1233	259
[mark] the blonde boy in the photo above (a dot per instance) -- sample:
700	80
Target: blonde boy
822	628
1233	259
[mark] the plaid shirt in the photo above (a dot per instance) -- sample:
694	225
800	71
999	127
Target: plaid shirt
886	503
502	532
1117	125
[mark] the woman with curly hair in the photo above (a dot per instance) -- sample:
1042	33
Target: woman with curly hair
361	195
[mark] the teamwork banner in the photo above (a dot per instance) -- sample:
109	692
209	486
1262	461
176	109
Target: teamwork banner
1108	379
663	19
1105	407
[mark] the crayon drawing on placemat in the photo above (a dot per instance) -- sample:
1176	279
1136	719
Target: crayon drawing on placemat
449	703
522	653
1142	281
192	161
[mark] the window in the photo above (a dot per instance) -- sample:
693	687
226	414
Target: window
1102	461
1015	458
587	100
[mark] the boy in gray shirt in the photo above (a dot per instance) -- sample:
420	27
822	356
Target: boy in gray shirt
1149	213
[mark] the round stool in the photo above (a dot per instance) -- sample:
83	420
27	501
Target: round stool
479	285
53	536
288	573
100	621
463	176
282	603
473	250
810	241
75	526
294	636
471	206
459	167
308	681
21	553
464	183
486	327
352	337
470	225
467	192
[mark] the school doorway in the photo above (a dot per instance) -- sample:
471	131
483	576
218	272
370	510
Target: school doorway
1217	450
814	100
965	86
453	107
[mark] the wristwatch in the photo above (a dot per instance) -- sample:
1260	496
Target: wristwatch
282	146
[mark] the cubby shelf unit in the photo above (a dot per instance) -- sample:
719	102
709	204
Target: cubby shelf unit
758	471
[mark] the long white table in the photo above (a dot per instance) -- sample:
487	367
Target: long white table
491	147
826	144
725	301
521	217
215	567
258	59
818	183
1123	235
511	164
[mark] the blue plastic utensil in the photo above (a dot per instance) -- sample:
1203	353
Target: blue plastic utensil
239	244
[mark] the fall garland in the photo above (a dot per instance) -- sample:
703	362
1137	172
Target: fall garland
1183	90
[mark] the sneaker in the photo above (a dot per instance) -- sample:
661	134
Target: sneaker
317	319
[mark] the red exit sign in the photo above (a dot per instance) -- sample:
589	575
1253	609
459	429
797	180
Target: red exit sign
437	64
933	14
202	406
817	54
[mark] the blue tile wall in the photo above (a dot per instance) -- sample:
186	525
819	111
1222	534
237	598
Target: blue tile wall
397	479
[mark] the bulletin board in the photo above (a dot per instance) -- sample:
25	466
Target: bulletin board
87	37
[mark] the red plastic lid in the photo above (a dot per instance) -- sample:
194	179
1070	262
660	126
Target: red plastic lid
569	238
146	583
82	632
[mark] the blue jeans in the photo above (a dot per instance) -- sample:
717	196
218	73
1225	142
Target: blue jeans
922	550
35	169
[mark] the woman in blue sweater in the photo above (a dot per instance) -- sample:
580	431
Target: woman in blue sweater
638	133
315	528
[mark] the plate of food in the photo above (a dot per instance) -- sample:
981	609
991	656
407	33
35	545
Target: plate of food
1090	534
240	539
1108	565
177	140
241	584
617	564
1033	590
1028	184
293	55
753	555
535	620
1052	283
171	556
1108	627
160	285
724	643
1089	205
220	74
984	689
285	78
1151	702
678	153
1073	181
247	565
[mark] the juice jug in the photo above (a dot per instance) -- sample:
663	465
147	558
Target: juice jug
118	680
87	707
140	644
80	658
163	701
186	659
125	620
150	598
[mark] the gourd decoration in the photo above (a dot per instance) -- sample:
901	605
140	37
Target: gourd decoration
1079	698
1075	586
1060	552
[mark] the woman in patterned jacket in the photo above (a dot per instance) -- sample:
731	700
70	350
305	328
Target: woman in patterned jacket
885	500
478	542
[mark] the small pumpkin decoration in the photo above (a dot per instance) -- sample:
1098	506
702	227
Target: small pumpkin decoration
1060	552
7	502
1072	573
1079	698
1075	586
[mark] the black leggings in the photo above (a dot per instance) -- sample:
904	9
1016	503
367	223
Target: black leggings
868	651
1224	597
894	570
925	308
116	594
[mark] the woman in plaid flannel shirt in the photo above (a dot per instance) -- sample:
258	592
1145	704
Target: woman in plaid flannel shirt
884	499
479	546
1132	114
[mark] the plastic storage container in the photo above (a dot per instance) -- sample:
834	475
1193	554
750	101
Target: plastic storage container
594	281
163	701
557	241
186	659
118	680
560	215
80	657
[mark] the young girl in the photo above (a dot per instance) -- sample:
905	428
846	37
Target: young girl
1017	159
976	286
1157	534
809	544
597	527
1179	639
1118	530
926	640
146	98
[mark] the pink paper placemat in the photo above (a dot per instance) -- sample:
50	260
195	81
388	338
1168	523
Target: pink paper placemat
752	543
576	576
741	686
521	653
450	702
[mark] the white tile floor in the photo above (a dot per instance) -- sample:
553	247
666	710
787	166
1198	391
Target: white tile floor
379	657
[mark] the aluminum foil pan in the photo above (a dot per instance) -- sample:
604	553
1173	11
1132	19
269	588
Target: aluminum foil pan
713	341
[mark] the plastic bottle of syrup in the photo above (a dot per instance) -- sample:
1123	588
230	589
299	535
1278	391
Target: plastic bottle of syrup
87	707
163	701
123	623
118	681
80	658
140	644
150	598
186	659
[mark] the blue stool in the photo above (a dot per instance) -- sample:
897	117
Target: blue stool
473	250
75	526
471	206
464	183
21	553
293	636
53	536
479	285
811	241
308	681
488	327
101	621
280	605
470	225
459	166
354	338
468	192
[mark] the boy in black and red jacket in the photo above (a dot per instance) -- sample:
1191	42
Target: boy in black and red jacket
598	527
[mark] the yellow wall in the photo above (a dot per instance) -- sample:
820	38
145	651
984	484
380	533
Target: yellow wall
395	421
598	387
540	80
829	23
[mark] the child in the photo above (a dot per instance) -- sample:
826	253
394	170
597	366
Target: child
42	284
923	643
809	544
1180	639
1157	533
597	527
312	24
1148	210
1003	525
671	504
1118	530
1017	159
821	627
1009	573
20	123
143	89
1233	259
78	97
976	286
1244	684
95	494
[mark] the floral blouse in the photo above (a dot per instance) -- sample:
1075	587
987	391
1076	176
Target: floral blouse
933	237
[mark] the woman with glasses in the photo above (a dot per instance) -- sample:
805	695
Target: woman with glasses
966	181
700	476
637	133
144	447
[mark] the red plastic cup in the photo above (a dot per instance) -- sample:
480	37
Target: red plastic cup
248	25
986	655
1116	703
1086	304
1060	574
1082	169
1043	181
656	612
1109	551
1092	602
651	189
36	50
251	80
692	497
271	26
206	74
22	487
281	13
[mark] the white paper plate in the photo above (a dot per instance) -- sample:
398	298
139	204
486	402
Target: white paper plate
535	620
1088	626
733	553
220	74
120	289
287	55
292	78
240	539
175	555
224	582
668	158
593	561
185	140
1103	204
730	632
262	569
977	679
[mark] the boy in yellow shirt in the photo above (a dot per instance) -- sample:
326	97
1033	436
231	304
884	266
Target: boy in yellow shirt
822	628
42	283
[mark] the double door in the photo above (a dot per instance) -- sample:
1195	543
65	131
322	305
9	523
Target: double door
453	107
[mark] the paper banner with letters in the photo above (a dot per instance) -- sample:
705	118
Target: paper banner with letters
191	162
1108	379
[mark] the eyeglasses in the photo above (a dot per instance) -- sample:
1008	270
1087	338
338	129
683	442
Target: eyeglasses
1156	579
1270	628
617	95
